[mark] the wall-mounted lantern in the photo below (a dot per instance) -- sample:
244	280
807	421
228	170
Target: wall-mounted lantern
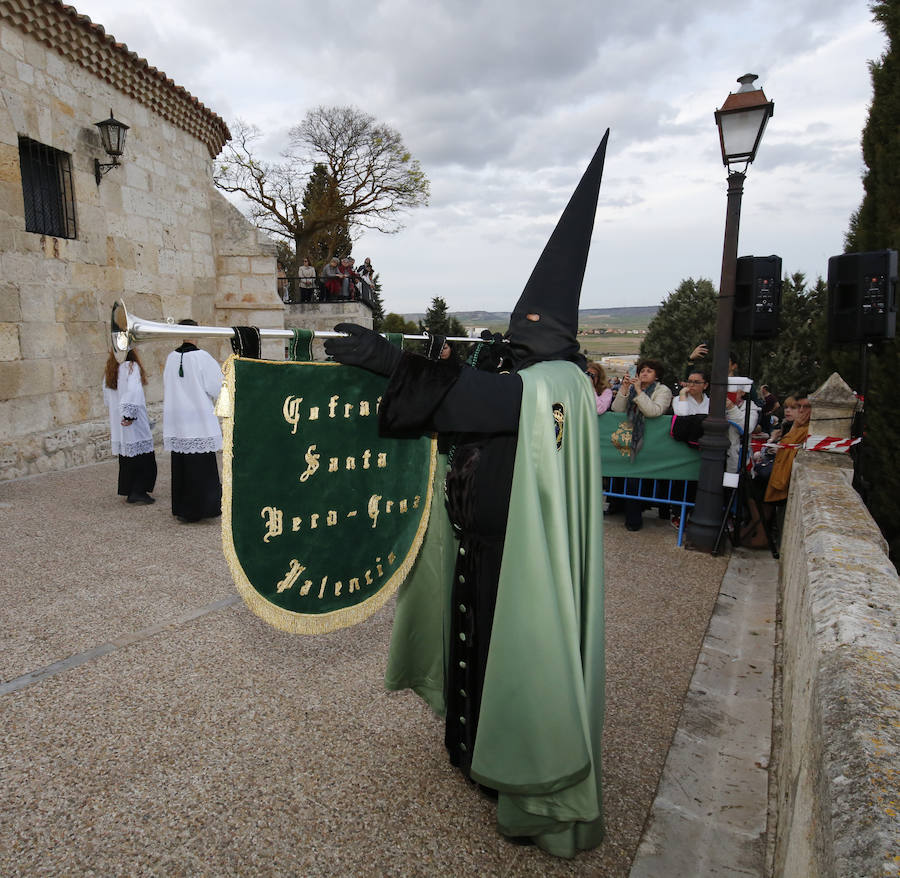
112	133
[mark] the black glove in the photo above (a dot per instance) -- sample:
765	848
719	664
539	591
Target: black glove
363	347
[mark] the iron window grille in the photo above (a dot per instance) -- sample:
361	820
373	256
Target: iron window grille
47	189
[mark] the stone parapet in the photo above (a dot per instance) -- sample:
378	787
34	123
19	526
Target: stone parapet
837	789
324	316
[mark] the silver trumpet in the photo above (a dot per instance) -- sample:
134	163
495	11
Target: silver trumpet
126	331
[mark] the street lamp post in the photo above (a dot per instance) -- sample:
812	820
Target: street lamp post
741	122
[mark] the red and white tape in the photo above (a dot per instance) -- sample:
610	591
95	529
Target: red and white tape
829	443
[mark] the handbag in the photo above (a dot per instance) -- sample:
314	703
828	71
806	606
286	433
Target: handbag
762	468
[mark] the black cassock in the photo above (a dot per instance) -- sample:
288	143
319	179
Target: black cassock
476	414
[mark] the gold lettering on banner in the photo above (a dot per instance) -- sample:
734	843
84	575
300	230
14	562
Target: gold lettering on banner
404	506
377	404
392	557
292	575
351	463
373	508
322	586
296	521
332	518
314	413
354	585
348	407
378	567
369	579
333	464
367	456
416	500
382	459
314	521
291	411
304	589
388	506
352	513
337	588
332	405
364	408
312	462
275	517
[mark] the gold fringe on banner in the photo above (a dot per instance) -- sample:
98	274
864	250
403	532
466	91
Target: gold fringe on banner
278	617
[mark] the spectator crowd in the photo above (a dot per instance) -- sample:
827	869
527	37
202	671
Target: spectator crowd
764	432
339	281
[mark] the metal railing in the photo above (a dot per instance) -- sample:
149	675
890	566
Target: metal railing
654	492
293	293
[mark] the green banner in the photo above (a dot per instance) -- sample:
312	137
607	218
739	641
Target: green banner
660	457
321	517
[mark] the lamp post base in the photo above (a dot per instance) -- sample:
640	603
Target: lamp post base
703	528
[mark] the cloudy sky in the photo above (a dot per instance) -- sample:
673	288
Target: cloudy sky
504	101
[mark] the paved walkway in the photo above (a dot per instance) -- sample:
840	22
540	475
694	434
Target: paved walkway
151	725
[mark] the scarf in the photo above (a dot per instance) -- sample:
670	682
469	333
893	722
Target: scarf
636	418
780	479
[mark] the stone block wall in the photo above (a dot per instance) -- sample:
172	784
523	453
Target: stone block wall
837	793
155	233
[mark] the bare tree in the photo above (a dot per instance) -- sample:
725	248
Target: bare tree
374	174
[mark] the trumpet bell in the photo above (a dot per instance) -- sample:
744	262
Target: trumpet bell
119	332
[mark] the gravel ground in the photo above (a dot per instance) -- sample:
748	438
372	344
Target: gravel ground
202	742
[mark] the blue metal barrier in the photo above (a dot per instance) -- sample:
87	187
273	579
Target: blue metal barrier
653	491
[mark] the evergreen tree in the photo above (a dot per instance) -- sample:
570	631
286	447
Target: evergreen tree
437	320
685	319
321	199
398	323
876	226
377	304
456	328
795	359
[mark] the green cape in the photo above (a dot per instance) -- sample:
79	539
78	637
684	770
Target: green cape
539	731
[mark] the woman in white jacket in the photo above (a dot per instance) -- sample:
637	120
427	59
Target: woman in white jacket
129	427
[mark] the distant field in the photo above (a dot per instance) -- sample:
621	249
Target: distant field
610	345
597	346
616	321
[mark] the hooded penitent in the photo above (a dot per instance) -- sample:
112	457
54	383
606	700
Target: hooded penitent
500	624
553	291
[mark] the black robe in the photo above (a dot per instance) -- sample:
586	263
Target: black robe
476	414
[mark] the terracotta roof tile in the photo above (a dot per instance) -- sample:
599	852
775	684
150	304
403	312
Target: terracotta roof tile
74	36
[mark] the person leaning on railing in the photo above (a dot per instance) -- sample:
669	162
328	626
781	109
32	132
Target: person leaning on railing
331	275
367	279
307	280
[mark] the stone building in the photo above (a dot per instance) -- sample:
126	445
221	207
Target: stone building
153	231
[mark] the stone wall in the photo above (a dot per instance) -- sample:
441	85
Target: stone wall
837	788
155	232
